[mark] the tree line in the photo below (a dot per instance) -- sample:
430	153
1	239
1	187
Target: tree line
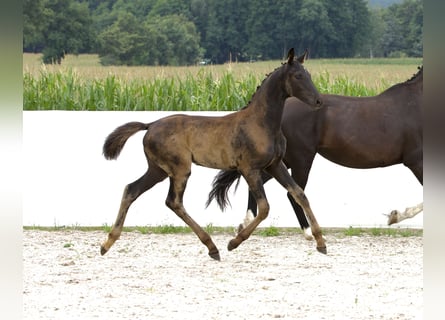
185	32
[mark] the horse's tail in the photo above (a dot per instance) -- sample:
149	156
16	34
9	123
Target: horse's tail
116	140
221	185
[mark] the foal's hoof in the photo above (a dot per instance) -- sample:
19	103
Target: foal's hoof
232	245
322	250
103	250
215	255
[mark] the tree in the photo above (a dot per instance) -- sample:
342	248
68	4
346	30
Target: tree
261	27
350	27
226	34
199	11
315	27
410	18
170	7
64	26
287	33
168	40
123	42
403	29
176	40
373	46
150	31
35	22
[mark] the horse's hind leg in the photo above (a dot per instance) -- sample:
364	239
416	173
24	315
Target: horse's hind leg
279	172
300	162
304	224
131	192
175	202
395	216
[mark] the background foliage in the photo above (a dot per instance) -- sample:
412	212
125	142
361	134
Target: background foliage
186	32
81	83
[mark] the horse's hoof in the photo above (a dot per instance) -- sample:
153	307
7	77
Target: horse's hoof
103	250
393	217
215	255
308	234
322	250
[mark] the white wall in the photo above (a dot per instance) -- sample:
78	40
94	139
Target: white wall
68	182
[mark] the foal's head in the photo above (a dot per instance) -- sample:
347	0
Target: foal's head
299	82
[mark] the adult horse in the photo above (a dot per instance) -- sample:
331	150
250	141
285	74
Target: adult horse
249	140
355	132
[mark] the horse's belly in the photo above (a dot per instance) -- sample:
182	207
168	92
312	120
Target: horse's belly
362	156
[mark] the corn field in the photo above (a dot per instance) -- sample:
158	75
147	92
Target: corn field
82	84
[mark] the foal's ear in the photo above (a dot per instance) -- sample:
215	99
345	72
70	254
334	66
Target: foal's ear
303	56
290	56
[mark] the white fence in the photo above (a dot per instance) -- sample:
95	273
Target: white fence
68	182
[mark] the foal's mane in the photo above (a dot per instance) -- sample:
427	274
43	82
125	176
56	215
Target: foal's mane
258	87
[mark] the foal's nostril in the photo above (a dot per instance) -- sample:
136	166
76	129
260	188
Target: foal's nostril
319	102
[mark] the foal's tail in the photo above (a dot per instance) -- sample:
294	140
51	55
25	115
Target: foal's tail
221	185
116	140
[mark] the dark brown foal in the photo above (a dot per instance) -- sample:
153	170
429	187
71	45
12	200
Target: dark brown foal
249	140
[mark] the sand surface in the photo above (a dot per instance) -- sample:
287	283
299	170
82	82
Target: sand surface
152	276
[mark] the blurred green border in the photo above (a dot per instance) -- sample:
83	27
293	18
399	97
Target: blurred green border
11	161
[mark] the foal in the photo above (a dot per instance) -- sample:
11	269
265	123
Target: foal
249	140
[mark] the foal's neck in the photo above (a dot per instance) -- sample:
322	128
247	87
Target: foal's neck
267	103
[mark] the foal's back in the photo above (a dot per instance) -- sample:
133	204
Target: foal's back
217	142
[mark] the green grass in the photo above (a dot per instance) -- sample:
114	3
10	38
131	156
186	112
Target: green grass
80	83
392	232
271	231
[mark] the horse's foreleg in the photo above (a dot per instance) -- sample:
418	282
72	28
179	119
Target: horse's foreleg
304	224
279	172
417	169
396	216
255	184
131	192
175	203
301	165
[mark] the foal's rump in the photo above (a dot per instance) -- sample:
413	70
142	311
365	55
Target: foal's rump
203	140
